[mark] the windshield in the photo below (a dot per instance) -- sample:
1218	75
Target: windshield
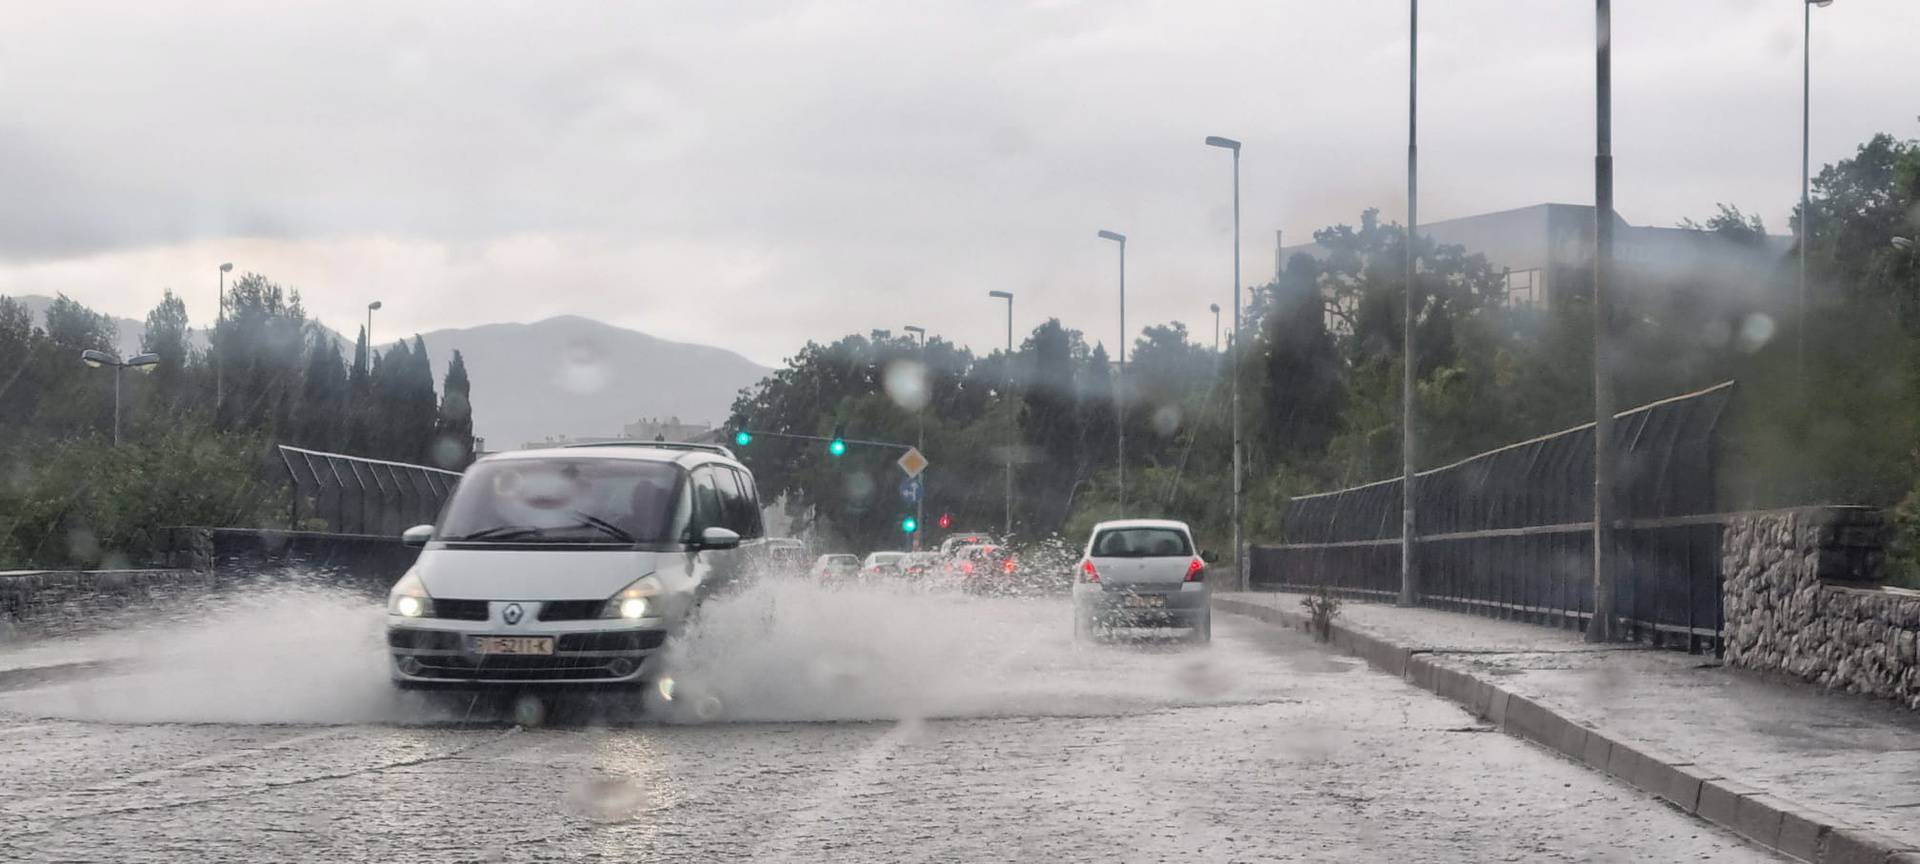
1141	543
565	499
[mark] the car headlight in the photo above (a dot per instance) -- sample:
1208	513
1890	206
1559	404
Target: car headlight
409	598
635	601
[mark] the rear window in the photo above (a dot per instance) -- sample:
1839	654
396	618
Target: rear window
1141	543
564	500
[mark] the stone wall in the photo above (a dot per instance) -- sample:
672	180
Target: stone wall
35	596
1801	596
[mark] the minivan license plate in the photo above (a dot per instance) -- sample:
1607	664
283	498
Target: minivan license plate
1145	602
512	645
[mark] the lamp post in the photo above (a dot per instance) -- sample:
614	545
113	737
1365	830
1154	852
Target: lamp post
99	359
920	505
1409	589
1806	204
370	310
1120	382
220	368
1012	410
1215	309
1600	626
1239	562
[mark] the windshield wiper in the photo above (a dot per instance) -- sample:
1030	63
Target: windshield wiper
605	527
500	532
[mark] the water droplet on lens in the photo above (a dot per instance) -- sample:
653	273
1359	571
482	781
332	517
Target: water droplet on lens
907	385
583	369
529	711
1166	420
707	708
83	546
1755	332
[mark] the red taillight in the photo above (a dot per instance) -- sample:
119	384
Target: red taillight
1196	570
966	567
1007	565
1087	568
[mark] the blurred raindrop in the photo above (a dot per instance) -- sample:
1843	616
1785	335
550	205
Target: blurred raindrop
447	452
907	385
529	711
860	489
609	799
1755	332
82	545
116	560
584	368
707	708
1166	420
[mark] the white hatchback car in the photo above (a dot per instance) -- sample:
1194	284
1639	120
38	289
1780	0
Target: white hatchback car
569	565
1141	573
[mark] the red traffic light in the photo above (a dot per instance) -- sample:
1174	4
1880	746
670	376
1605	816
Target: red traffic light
946	520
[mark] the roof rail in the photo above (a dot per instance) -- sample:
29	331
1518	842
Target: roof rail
658	445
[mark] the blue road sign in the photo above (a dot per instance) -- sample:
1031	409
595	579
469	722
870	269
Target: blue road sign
911	489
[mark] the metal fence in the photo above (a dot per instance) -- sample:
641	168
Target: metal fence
1509	532
353	495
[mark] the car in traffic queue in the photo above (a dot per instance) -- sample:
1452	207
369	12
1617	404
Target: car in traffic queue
881	565
984	569
836	567
1141	573
785	555
954	542
569	565
920	565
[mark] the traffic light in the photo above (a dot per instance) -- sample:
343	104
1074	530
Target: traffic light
908	524
838	446
946	521
742	438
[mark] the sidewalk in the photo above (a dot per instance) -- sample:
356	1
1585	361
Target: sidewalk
1825	777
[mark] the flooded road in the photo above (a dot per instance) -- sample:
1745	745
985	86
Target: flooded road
857	725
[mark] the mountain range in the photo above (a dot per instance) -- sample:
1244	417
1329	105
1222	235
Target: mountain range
565	376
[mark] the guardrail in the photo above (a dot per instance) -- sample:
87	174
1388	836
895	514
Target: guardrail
356	495
1509	532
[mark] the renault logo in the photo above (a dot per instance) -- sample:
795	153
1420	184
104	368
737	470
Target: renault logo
512	613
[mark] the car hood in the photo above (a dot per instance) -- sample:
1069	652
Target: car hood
575	573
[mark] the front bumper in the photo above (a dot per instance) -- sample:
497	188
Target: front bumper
429	652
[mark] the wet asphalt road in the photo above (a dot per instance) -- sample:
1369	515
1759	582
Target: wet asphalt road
992	737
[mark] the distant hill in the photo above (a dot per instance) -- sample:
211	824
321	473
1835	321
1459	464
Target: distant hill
578	377
568	376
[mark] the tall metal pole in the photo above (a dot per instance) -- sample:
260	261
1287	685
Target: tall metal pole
1012	407
1216	328
1409	588
1600	627
1806	215
1239	472
116	403
220	367
920	504
1120	388
1013	413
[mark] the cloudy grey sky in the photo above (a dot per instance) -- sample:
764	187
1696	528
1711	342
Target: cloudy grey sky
756	174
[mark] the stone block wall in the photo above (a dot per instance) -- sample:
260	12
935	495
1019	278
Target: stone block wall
1801	596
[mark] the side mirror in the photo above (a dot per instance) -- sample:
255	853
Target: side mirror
1209	556
719	538
417	536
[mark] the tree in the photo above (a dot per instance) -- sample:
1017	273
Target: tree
453	445
166	334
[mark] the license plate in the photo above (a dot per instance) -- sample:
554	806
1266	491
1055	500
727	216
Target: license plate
1138	601
513	645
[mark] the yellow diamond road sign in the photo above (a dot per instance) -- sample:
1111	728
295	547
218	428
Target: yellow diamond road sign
913	463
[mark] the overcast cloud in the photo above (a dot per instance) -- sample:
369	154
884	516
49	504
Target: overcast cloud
754	175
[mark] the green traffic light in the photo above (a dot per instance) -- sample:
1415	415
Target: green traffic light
742	438
837	447
908	525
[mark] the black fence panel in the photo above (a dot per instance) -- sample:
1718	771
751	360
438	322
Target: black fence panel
338	494
1509	532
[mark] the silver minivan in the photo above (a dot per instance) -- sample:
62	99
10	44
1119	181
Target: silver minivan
1141	573
569	565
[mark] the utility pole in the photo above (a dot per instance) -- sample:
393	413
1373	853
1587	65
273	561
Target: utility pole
1409	587
920	506
220	367
1600	626
1279	255
1120	383
1013	411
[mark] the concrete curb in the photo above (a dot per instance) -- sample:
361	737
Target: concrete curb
1762	818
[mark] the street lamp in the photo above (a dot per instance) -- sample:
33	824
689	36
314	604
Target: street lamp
1600	626
99	359
1902	242
920	505
1120	382
1239	565
370	310
1806	200
219	368
1215	309
1011	409
1409	589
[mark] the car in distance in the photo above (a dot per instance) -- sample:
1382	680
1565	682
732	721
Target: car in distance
881	564
953	542
835	567
920	565
1141	573
785	555
985	569
568	565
